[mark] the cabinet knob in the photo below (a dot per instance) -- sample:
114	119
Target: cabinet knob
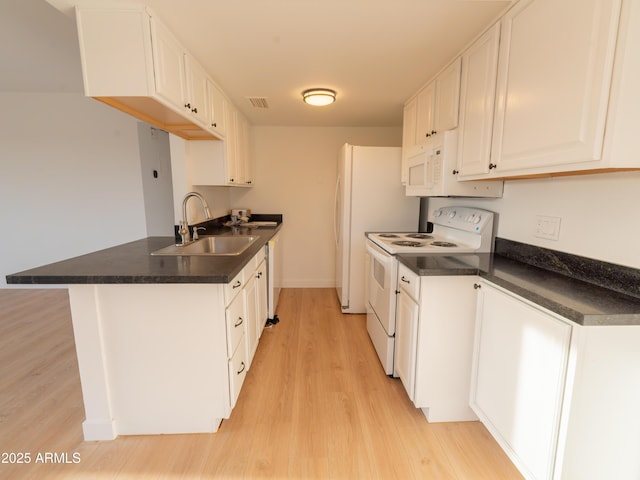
194	110
214	124
455	172
187	105
492	166
433	132
427	135
477	286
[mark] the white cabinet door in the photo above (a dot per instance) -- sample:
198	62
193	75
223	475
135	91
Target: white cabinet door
251	311
447	98
408	134
243	159
520	364
425	113
477	103
168	59
196	102
230	145
554	76
406	342
261	294
216	102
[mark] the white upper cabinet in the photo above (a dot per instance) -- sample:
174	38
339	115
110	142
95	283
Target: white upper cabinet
551	89
554	78
425	113
477	103
433	109
447	98
408	134
168	61
196	98
133	62
437	103
179	77
216	108
223	163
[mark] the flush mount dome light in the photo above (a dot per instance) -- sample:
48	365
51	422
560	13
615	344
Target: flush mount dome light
319	97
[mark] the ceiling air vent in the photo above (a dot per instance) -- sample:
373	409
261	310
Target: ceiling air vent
258	102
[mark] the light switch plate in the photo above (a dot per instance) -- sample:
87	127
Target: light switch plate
547	227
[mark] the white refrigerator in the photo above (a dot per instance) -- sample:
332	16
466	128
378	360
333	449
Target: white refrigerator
369	197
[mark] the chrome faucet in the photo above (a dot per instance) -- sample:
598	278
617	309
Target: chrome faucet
184	225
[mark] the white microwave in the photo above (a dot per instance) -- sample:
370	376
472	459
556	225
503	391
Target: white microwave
431	171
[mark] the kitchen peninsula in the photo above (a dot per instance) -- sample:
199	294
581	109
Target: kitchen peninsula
163	342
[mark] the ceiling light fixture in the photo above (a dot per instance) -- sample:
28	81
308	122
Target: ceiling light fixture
319	97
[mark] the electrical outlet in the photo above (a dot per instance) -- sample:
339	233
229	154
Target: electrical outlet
547	227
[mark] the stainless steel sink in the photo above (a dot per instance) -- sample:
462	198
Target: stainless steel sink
211	245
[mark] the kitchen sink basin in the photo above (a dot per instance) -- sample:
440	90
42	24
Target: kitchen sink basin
211	245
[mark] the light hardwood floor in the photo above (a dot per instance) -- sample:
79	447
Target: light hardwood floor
315	404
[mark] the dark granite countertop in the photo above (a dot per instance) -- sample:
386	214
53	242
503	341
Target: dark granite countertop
583	302
132	263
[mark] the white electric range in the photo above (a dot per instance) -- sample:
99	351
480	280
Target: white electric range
455	230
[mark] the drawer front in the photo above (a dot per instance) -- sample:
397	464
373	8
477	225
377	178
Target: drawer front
237	372
234	287
235	317
409	282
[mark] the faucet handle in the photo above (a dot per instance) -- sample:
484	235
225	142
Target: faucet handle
184	232
195	232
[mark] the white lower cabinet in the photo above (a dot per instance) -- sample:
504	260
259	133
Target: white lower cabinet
520	364
237	372
406	341
251	306
261	296
560	398
434	343
242	314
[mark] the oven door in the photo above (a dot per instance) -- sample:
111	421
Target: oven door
382	281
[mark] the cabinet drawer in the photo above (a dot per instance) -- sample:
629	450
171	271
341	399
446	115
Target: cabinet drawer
409	281
235	317
234	287
237	372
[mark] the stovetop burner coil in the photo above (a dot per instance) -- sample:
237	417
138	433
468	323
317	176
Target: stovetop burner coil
443	244
407	243
421	236
388	235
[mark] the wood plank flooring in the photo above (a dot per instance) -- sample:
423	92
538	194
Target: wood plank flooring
315	405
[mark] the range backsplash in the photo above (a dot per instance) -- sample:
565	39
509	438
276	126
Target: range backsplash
618	278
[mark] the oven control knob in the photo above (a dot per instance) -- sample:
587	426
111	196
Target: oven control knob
477	219
452	214
437	213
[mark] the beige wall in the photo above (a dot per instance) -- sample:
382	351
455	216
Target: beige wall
70	179
598	214
295	172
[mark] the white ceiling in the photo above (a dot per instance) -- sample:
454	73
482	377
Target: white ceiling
374	53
